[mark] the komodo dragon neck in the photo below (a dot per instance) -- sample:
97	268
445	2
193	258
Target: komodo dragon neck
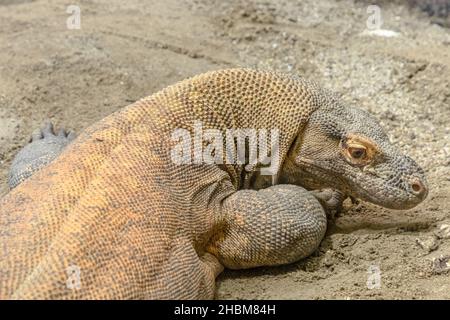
240	99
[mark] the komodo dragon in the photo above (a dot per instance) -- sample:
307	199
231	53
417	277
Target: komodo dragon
115	210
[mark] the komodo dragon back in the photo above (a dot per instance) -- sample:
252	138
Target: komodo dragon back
114	217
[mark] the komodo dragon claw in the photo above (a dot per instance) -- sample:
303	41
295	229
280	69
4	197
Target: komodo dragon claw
44	146
331	200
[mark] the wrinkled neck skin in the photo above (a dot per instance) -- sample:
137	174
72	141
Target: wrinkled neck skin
305	174
292	173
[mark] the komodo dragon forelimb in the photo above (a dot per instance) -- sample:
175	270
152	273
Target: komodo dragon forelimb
139	225
268	227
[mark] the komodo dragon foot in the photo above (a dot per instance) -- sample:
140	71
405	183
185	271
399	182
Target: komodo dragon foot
331	200
45	145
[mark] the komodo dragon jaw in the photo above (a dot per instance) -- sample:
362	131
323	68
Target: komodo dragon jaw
346	149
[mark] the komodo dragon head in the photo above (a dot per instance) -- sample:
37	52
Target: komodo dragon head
346	149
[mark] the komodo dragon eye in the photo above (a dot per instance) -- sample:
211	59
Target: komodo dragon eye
357	153
358	150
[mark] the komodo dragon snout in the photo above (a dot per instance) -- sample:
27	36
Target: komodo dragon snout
346	149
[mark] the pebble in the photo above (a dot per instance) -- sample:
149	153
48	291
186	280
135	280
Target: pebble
441	264
328	260
443	232
429	244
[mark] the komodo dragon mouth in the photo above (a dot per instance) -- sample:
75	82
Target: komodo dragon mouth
401	196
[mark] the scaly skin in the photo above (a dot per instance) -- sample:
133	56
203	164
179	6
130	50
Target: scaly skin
44	147
138	226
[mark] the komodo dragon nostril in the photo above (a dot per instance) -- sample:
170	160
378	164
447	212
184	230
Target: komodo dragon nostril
418	188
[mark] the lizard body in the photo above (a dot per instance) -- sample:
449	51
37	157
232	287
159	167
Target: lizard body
114	211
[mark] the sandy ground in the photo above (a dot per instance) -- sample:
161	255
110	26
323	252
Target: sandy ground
128	50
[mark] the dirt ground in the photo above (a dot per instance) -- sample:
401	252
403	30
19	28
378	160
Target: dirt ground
126	50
